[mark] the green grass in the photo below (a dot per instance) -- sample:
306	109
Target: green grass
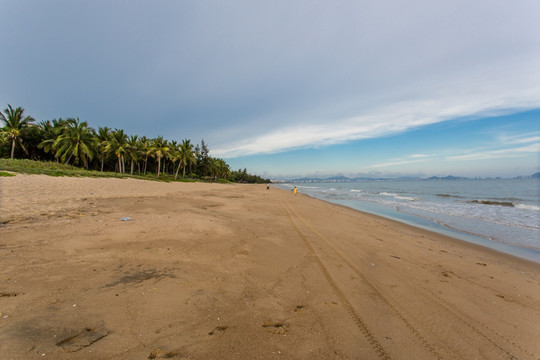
3	173
25	166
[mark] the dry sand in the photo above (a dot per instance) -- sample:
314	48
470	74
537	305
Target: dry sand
208	271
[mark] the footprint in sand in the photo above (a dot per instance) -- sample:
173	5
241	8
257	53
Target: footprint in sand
160	354
82	339
276	327
218	330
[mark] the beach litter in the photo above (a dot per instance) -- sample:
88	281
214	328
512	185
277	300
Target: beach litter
126	219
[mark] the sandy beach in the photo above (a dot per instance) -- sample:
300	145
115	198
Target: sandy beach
132	269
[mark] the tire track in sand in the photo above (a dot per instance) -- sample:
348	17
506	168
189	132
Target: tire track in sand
375	344
449	308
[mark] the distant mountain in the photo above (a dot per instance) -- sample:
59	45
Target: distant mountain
338	179
306	179
403	178
449	177
347	179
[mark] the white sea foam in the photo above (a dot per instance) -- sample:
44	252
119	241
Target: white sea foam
406	198
528	207
399	197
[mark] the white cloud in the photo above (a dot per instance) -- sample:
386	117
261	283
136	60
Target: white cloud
519	139
497	154
388	119
394	163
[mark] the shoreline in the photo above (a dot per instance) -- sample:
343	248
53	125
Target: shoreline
450	234
457	234
391	213
208	271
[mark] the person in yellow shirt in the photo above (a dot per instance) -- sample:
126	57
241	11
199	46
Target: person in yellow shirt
295	190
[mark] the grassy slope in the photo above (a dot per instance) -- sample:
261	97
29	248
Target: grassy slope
56	169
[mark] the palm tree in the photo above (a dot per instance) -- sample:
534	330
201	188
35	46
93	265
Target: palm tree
186	156
173	153
14	125
78	141
223	169
218	168
159	149
118	145
104	138
145	150
171	145
133	151
50	131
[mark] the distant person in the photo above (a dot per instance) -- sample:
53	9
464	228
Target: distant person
295	190
267	186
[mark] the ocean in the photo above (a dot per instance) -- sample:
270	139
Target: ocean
502	214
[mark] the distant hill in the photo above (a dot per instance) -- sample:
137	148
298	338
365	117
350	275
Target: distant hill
339	179
347	179
403	178
449	177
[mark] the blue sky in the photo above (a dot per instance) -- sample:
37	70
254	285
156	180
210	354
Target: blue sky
292	88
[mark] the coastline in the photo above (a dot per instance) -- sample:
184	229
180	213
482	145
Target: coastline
455	233
238	271
487	225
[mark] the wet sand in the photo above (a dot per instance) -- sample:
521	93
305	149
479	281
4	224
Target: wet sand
208	271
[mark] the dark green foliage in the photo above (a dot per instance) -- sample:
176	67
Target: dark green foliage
242	176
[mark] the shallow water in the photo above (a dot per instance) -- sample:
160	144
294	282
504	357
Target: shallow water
500	213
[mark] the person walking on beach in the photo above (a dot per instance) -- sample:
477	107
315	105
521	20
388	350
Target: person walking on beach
295	190
267	186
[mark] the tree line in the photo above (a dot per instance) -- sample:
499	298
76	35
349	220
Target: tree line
72	141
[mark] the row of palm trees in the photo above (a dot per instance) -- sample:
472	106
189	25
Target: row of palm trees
72	141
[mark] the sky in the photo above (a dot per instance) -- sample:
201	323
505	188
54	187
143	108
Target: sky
292	88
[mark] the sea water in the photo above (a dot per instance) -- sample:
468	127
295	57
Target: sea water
503	214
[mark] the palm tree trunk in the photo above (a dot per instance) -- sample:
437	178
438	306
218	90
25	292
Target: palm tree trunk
132	167
158	166
102	160
177	169
12	148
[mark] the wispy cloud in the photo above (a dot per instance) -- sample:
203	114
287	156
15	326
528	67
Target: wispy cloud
387	120
497	154
411	159
519	139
